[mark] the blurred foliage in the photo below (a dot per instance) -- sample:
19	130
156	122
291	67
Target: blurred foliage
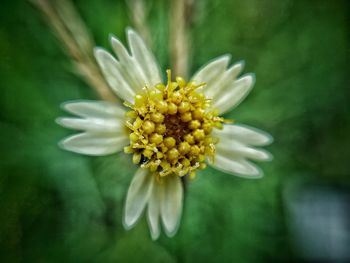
56	205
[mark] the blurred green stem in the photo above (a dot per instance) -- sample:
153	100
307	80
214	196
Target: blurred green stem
69	28
138	14
179	37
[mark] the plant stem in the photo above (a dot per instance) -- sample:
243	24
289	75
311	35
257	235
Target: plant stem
76	41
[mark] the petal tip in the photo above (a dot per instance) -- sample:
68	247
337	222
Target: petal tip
130	32
70	105
270	157
128	223
154	238
60	121
114	40
171	231
65	105
240	63
257	174
99	53
62	144
267	138
226	58
111	37
250	79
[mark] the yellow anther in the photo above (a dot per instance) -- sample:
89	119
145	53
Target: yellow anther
189	138
159	155
137	123
157	117
186	162
173	85
136	158
201	158
169	142
142	110
162	106
151	93
195	124
160	128
203	166
176	97
133	137
160	86
181	82
165	165
156	138
194	150
198	114
200	96
184	147
198	134
191	85
186	117
173	154
164	149
208	140
153	166
131	114
207	127
139	100
155	95
184	107
210	150
172	108
148	127
148	153
193	97
219	125
128	149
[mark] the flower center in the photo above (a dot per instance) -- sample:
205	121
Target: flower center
170	128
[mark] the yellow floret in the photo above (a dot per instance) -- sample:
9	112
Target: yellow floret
170	128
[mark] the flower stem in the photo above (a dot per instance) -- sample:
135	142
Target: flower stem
179	36
138	15
76	41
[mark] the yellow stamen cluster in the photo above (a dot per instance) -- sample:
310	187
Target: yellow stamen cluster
170	128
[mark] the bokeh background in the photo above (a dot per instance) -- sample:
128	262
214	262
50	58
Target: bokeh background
56	205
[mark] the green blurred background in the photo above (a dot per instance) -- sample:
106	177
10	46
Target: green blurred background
56	205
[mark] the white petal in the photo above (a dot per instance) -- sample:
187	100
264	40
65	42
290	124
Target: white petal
137	197
93	125
111	69
171	206
145	58
234	94
153	211
234	149
219	87
95	109
245	134
95	143
129	67
211	71
238	167
221	83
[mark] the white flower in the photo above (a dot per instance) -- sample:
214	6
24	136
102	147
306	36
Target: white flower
170	129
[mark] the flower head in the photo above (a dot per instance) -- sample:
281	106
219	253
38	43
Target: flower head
171	129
